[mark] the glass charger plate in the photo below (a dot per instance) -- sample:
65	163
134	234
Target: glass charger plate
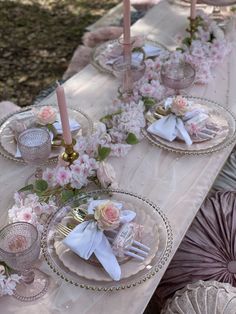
7	140
221	115
133	272
187	3
98	59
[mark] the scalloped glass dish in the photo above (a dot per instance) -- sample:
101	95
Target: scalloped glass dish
222	116
157	235
99	59
186	3
8	143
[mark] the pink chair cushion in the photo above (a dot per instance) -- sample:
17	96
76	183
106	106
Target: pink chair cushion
208	251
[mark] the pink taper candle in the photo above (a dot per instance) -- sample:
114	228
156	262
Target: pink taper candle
126	21
61	100
193	9
127	44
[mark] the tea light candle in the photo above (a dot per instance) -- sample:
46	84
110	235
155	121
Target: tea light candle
61	100
193	9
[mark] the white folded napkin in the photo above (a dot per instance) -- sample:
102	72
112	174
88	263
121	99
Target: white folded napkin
74	126
149	50
86	239
169	128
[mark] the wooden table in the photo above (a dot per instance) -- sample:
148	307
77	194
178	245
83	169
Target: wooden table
177	183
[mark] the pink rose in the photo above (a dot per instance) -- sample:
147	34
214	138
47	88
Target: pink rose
46	115
107	216
179	106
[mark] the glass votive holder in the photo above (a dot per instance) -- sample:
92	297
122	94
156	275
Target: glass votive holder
35	145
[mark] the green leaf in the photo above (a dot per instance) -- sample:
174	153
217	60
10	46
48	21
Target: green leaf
66	195
103	152
149	102
26	188
187	41
179	49
110	116
41	185
131	139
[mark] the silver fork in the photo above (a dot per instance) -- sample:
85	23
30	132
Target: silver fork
136	249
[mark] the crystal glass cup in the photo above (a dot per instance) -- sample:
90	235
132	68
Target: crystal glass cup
35	147
217	14
20	249
177	75
135	69
129	67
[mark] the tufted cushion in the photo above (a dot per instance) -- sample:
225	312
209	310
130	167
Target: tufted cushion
208	251
203	297
226	180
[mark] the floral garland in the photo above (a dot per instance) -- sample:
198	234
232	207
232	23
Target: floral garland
115	134
8	281
206	48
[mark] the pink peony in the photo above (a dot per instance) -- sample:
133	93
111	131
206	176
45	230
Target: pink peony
46	115
179	106
49	176
107	216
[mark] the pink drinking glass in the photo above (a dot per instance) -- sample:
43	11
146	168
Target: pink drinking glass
20	249
35	147
217	13
177	75
129	67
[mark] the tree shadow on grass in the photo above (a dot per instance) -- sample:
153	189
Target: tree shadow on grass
37	40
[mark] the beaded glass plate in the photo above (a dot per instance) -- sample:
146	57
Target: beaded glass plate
223	117
99	57
8	143
158	236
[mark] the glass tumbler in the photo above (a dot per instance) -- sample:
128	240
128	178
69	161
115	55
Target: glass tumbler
35	147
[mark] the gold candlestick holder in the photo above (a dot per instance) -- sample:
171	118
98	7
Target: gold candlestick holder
193	25
69	155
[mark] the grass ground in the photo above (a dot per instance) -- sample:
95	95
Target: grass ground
37	40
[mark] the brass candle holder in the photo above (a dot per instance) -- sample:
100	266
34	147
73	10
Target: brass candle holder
69	155
193	26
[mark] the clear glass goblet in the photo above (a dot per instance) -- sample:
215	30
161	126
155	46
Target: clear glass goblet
20	249
177	75
217	14
135	69
35	147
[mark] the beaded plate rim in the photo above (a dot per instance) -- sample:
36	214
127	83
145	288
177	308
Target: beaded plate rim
102	47
8	156
135	282
224	144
